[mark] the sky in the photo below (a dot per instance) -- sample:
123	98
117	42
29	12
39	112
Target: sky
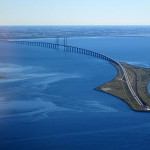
74	12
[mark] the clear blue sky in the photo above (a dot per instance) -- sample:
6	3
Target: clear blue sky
74	12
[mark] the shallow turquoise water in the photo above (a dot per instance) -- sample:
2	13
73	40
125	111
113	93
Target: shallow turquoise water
47	100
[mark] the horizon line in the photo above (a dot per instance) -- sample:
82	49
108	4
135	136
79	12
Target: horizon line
80	25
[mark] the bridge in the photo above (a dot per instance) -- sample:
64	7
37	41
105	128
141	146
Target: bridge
85	52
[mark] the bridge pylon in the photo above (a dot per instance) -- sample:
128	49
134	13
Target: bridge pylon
57	42
65	43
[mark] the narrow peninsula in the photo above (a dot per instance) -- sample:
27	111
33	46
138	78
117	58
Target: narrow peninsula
139	78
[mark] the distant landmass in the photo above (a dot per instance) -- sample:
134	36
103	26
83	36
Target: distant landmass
27	32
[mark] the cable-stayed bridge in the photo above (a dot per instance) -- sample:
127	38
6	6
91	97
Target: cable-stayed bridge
69	48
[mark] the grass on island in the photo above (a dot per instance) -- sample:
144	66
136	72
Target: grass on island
139	78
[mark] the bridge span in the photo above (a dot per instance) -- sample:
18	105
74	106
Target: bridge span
85	52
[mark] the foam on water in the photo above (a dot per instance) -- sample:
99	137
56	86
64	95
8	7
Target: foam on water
28	79
98	107
31	82
36	108
17	73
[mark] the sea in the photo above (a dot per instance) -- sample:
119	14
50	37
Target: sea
48	101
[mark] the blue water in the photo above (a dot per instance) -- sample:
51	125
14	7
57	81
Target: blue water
47	99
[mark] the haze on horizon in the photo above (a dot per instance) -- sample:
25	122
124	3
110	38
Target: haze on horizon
74	12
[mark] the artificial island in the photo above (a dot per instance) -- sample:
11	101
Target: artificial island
139	79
